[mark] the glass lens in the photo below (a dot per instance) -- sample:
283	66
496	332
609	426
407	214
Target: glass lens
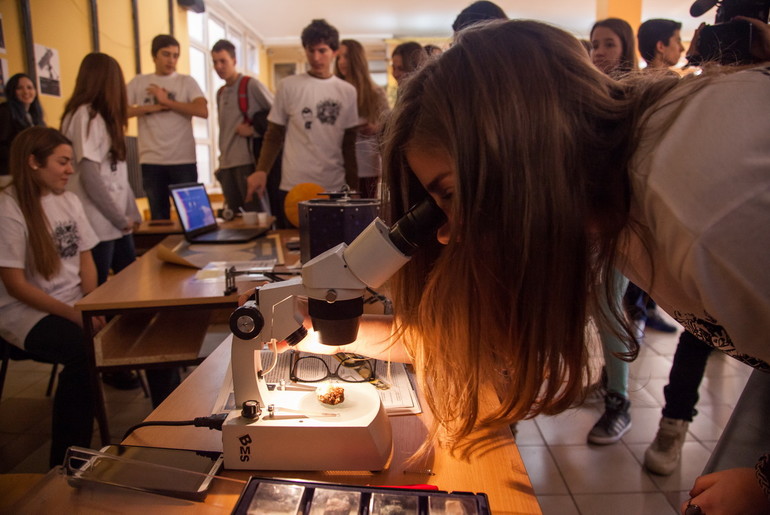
309	369
355	370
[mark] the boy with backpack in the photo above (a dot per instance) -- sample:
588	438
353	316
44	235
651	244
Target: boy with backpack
242	106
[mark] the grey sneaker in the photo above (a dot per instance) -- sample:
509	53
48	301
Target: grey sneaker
615	422
664	453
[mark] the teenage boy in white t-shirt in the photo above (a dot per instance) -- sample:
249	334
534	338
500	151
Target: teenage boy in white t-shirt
164	103
316	114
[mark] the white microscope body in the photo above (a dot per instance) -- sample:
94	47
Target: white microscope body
300	433
290	429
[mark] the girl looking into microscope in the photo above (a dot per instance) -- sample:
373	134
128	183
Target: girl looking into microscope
552	174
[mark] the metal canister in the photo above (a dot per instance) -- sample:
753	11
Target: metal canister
325	223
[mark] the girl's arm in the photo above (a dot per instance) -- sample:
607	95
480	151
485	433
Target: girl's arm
93	185
88	283
87	272
22	290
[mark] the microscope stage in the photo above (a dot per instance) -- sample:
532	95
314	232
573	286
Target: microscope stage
302	435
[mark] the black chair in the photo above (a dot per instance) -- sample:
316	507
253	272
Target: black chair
11	352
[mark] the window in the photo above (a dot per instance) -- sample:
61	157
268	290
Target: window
252	63
205	29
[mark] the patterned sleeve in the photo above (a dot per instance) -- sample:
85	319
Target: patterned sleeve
762	469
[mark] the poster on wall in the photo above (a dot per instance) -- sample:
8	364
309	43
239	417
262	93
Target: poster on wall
2	35
48	70
3	76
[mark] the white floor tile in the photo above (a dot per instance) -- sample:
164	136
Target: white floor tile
676	499
694	458
542	470
601	469
527	433
627	504
654	388
722	389
570	427
18	382
640	396
652	367
710	421
557	505
644	426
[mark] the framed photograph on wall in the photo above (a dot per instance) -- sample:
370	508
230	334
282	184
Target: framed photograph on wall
48	70
3	76
2	35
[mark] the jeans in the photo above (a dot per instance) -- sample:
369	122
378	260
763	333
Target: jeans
617	369
233	181
57	340
681	392
281	222
157	178
113	255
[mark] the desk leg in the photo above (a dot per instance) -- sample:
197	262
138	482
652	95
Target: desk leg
101	409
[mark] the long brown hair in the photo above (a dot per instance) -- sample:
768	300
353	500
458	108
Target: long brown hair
101	86
371	101
540	141
38	143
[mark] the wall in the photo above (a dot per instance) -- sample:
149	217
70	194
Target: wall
65	25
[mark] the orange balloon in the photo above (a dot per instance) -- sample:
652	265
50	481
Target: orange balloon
300	192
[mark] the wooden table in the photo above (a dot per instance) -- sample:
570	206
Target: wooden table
164	317
152	232
499	472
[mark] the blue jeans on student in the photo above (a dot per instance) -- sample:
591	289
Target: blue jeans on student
157	178
113	255
233	182
57	340
281	222
685	377
617	369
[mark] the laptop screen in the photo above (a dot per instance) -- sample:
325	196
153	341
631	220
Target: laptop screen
192	204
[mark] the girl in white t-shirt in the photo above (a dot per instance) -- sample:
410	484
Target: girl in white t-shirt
351	65
552	175
95	120
45	267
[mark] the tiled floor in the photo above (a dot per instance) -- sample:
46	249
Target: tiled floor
25	417
569	476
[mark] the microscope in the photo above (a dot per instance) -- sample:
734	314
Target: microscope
287	428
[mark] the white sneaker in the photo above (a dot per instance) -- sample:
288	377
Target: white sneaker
664	453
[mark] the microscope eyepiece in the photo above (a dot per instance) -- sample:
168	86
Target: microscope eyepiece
417	227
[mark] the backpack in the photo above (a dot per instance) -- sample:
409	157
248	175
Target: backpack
258	121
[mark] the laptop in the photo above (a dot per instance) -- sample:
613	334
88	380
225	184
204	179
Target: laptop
198	221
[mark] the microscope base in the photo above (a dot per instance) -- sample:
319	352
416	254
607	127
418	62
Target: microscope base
359	438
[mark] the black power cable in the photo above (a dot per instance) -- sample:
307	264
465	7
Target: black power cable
212	422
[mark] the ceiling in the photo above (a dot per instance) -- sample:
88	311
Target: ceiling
279	22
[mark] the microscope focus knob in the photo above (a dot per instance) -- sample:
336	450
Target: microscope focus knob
251	410
246	322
